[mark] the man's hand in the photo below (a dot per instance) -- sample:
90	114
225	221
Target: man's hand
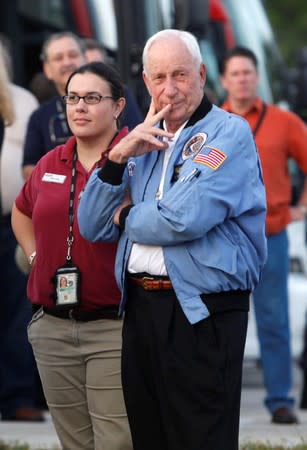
297	213
144	138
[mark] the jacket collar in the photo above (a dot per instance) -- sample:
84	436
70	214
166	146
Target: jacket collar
201	111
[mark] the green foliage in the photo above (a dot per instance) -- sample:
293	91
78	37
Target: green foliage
4	446
18	446
260	446
247	446
288	19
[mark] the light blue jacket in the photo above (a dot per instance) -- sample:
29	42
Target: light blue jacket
210	222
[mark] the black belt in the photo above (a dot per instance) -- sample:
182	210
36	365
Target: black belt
109	312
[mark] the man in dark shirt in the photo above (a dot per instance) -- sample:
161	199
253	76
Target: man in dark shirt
62	53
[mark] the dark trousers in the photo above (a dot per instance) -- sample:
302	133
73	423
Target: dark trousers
17	365
181	382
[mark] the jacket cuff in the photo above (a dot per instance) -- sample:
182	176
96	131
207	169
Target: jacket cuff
123	216
112	173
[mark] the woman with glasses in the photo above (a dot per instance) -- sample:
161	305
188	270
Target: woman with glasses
76	333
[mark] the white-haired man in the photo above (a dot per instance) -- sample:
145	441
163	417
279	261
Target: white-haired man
184	193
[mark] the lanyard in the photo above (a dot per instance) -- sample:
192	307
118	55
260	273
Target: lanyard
70	237
260	119
59	116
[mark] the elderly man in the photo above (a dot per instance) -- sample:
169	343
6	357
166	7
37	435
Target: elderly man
184	194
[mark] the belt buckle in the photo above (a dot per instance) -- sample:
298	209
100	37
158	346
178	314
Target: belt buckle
147	280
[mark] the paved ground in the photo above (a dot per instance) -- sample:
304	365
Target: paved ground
255	423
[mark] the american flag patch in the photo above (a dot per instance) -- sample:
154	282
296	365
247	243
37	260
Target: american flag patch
211	157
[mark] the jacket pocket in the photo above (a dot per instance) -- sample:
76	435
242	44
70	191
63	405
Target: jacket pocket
216	250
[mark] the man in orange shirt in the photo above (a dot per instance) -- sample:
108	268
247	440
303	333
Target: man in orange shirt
279	135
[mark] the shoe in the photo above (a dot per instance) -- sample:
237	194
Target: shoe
284	416
25	414
303	402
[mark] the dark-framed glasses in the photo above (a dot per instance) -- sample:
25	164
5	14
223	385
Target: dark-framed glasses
90	99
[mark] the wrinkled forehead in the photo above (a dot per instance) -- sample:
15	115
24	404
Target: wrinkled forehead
62	45
167	54
239	63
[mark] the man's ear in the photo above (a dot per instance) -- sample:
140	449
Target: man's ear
146	81
203	74
46	70
223	82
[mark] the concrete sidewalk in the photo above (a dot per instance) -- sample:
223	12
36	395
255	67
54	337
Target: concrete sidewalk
255	425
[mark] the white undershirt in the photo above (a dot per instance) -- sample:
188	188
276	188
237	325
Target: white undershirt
149	258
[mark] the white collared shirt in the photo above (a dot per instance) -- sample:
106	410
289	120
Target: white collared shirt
149	258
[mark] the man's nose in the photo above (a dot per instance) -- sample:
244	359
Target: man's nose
170	87
68	60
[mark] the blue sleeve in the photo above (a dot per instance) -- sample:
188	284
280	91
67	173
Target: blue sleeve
98	204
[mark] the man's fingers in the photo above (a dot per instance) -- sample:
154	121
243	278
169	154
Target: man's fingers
151	112
160	115
159	132
153	117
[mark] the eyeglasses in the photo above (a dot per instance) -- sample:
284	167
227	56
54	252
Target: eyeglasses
90	99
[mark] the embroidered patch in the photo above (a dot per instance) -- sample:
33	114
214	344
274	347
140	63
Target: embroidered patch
194	145
211	157
131	167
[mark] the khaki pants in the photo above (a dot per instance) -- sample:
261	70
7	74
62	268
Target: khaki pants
79	365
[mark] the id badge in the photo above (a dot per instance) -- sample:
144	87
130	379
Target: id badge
67	286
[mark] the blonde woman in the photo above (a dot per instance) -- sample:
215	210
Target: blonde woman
6	104
18	371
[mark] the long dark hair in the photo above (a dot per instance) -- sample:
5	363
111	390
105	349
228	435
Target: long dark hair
106	73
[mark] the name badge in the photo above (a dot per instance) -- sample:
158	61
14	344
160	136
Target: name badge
67	287
54	178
